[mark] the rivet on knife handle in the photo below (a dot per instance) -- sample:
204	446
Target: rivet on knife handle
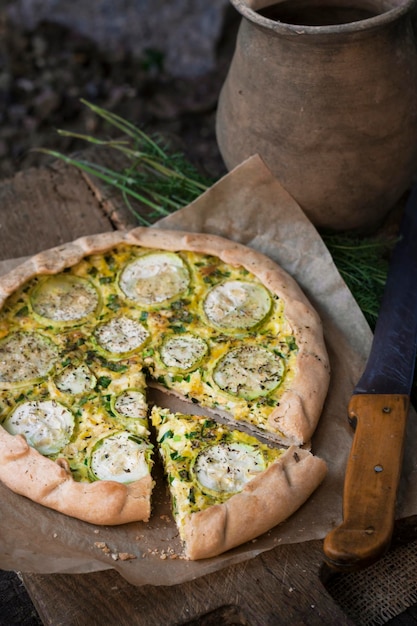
371	482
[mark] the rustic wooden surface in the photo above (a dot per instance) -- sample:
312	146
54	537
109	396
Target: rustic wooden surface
43	208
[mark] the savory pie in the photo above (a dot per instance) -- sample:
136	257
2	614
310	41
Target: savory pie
87	327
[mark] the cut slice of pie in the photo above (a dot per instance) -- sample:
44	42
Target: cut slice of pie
227	487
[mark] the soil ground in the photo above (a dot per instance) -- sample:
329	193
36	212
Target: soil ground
45	73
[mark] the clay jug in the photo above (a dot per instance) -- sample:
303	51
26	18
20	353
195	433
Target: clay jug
326	92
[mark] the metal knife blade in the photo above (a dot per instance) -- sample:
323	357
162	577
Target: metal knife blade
378	411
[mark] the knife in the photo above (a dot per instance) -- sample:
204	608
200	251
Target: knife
378	412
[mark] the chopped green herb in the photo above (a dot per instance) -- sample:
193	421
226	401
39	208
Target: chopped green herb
268	401
166	435
110	261
116	367
175	456
291	343
135	439
191	435
103	382
22	312
113	302
179	329
112	365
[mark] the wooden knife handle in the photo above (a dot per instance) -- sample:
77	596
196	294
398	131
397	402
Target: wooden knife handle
371	482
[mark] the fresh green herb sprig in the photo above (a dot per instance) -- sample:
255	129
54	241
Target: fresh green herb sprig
157	178
363	264
163	182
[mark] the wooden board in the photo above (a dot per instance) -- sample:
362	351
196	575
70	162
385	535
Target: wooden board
46	207
280	587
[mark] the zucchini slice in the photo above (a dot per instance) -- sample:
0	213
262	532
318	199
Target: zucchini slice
249	372
237	305
121	335
25	358
155	278
64	298
183	352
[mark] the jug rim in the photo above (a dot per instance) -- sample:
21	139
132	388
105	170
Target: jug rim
392	11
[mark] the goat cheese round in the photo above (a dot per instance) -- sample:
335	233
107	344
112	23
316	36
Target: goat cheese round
76	379
183	351
47	425
131	403
120	457
227	467
121	335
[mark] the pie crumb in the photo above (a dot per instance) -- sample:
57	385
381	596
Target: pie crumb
125	556
102	546
116	556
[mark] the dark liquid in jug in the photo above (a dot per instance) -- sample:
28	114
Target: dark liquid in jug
311	13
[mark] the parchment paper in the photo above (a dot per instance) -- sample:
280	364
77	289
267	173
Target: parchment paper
248	205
